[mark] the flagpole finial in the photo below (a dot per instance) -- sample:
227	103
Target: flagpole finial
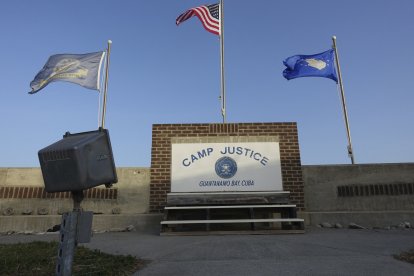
334	42
109	41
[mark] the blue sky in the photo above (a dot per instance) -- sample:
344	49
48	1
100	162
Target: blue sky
161	73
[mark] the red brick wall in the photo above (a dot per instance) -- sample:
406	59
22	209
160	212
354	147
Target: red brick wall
39	192
161	154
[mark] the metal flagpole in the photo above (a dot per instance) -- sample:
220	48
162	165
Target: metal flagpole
341	86
223	90
106	84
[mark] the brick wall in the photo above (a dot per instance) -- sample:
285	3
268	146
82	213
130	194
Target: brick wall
39	192
160	180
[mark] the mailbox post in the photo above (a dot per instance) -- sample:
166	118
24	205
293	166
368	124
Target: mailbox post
77	162
76	227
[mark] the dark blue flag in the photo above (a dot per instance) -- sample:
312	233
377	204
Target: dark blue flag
318	65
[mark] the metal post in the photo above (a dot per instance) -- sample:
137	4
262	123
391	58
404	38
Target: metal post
106	84
68	237
223	90
77	199
348	132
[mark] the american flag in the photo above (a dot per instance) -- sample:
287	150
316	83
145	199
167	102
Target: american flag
208	15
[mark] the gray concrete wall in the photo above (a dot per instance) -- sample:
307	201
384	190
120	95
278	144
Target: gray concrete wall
322	202
132	199
133	192
324	205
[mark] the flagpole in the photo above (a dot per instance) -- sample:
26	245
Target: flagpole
341	86
108	52
223	91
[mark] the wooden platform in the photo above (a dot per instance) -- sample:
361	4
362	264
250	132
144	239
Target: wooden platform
230	232
230	213
186	199
228	207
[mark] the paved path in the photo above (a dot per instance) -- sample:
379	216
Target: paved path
318	252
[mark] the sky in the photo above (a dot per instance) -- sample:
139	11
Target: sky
163	74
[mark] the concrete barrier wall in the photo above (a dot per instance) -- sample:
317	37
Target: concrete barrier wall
389	202
368	194
132	198
132	193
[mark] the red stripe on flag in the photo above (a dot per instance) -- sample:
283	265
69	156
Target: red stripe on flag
210	23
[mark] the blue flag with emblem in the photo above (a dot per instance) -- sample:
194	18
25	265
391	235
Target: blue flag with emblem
83	69
318	65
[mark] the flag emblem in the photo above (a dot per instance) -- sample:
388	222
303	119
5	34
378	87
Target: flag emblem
81	69
316	63
209	16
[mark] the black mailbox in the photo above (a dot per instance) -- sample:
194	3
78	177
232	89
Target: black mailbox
79	161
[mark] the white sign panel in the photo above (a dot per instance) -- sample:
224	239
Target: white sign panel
214	167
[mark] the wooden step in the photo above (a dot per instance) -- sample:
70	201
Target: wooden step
267	212
234	232
227	198
229	207
169	222
185	227
231	193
